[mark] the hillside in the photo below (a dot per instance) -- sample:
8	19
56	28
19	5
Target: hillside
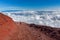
10	30
38	32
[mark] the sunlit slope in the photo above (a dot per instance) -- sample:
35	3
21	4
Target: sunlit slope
8	29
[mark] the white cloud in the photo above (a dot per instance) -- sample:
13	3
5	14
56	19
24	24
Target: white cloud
52	19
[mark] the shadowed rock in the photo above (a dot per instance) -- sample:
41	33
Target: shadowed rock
48	31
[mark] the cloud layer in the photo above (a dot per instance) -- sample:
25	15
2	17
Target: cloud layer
49	18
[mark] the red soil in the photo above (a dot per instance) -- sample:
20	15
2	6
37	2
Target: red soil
10	30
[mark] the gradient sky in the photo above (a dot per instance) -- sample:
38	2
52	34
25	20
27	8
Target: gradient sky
29	4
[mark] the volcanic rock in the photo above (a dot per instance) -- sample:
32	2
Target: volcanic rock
37	32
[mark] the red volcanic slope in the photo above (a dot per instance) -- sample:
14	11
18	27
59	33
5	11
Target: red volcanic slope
10	30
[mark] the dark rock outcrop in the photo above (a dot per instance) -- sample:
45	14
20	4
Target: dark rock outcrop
51	32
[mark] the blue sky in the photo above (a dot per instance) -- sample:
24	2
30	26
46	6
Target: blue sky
29	4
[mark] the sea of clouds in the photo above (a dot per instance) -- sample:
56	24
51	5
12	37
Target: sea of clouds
49	18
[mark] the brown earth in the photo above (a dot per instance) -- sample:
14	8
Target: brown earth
37	32
10	30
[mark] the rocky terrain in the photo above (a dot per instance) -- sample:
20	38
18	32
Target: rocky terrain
38	32
10	30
